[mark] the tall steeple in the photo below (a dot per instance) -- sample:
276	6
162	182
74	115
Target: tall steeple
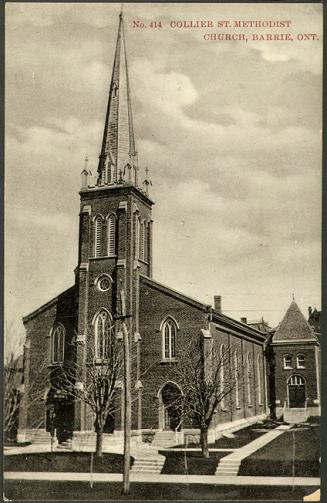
118	156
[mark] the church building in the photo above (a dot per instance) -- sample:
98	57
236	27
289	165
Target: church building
294	361
115	252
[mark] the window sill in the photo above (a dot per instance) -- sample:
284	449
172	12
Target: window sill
250	405
238	407
223	409
169	360
143	261
300	368
59	364
103	257
287	368
98	361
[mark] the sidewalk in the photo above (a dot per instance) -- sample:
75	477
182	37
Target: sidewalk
231	463
171	479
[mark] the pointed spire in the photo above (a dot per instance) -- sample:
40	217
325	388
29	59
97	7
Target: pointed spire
293	325
118	144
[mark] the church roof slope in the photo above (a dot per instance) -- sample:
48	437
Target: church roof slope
293	326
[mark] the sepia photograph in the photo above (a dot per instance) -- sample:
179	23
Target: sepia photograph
162	284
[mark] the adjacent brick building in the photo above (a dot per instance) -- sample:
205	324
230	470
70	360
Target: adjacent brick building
294	363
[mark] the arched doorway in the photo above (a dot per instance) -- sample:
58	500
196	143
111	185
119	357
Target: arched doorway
170	407
296	392
59	415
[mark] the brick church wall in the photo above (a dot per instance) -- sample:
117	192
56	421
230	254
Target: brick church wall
155	306
38	327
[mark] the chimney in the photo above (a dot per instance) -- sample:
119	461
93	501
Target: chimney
244	320
217	303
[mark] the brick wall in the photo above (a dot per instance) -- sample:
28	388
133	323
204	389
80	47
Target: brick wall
155	306
309	373
39	369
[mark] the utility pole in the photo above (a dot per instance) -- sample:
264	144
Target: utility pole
127	396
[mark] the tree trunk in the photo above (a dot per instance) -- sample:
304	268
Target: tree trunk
99	433
204	442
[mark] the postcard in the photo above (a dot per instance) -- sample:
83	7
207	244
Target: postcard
162	251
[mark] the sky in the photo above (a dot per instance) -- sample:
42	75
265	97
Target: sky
230	131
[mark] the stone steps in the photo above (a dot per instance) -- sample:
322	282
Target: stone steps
146	465
40	437
164	439
65	446
295	416
228	467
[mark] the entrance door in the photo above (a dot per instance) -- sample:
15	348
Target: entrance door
296	392
64	420
172	407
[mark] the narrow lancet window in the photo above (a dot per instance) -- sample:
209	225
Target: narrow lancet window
169	334
98	236
112	235
237	394
57	344
137	236
103	328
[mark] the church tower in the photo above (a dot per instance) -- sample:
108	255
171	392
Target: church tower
115	233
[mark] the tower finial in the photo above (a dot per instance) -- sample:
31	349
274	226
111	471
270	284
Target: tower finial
147	182
121	15
293	296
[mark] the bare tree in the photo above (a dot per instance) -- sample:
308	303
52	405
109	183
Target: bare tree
206	377
14	380
13	373
94	381
12	383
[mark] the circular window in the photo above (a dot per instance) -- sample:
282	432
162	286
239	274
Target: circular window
104	283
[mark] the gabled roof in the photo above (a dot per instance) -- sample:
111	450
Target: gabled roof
293	326
216	317
48	304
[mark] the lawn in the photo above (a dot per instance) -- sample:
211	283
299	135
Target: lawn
301	443
64	462
191	463
68	491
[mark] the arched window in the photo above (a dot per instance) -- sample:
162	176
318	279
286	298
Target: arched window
222	375
237	395
103	327
300	362
249	376
296	381
144	239
112	235
98	236
141	241
107	172
57	344
137	235
259	380
169	335
287	360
